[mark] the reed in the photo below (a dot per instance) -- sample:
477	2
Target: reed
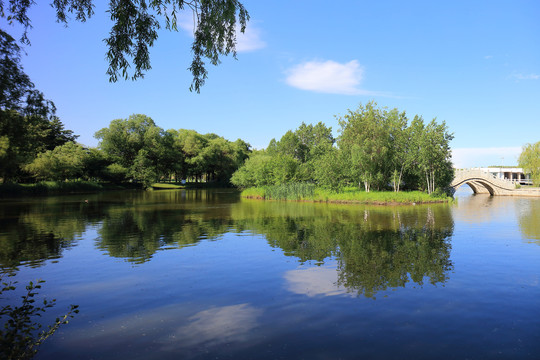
309	192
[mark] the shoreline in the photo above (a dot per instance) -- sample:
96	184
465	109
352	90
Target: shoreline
351	202
55	188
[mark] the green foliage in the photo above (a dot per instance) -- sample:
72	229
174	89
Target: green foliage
135	29
64	162
365	138
115	173
254	172
376	148
529	160
294	158
148	154
135	144
21	334
329	169
28	124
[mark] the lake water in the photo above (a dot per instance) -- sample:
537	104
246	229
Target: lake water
203	274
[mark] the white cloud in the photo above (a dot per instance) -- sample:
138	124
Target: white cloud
481	157
525	76
249	40
327	77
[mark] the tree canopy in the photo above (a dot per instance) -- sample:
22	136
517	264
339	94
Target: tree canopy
135	29
529	160
28	121
142	151
377	148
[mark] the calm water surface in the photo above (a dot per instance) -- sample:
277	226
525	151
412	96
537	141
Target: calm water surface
205	275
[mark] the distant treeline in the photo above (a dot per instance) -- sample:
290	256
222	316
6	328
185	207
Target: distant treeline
376	149
133	149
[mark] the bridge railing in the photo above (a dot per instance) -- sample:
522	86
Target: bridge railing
523	182
494	176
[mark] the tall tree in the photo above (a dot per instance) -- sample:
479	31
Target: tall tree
364	137
135	144
529	160
135	29
435	157
399	146
28	124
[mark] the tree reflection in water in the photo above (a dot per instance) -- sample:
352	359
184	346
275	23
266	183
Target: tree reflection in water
529	219
375	248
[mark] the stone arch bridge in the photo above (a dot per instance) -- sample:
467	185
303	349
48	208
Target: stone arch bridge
482	182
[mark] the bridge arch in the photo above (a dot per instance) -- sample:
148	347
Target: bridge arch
483	182
477	186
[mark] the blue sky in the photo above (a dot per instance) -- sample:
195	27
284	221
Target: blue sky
473	64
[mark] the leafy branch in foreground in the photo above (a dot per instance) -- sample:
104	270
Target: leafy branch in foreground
21	335
135	26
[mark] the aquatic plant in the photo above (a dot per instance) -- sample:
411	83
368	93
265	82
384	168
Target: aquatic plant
21	334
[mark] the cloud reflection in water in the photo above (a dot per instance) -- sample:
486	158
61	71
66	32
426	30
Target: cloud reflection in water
315	281
220	325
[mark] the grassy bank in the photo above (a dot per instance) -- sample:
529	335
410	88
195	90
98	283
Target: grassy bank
80	186
309	192
187	185
57	188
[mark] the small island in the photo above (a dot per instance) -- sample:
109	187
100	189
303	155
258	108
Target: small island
379	158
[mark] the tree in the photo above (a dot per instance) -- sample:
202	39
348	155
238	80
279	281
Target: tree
137	145
28	124
435	157
329	169
314	141
17	92
529	160
193	144
256	171
290	145
64	162
364	137
14	83
399	146
135	28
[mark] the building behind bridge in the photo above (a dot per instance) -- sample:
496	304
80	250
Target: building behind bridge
508	173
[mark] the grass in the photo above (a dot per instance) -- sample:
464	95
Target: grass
168	186
187	185
55	188
309	192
